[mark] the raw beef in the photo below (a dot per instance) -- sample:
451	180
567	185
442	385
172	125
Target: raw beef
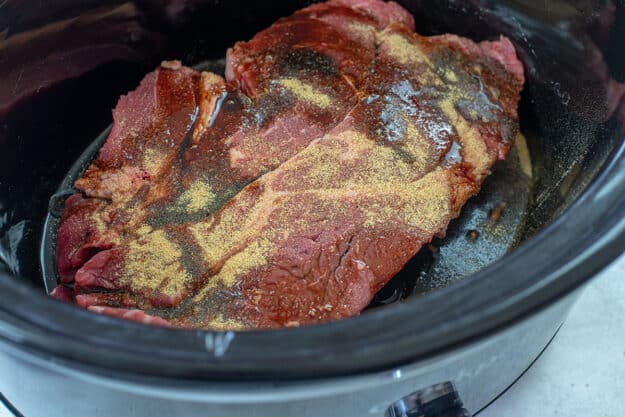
338	145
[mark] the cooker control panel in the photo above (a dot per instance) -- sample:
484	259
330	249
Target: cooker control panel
440	400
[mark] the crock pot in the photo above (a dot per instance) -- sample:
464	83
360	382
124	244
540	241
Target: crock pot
445	352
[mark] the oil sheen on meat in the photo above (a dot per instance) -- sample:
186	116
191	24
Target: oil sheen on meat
338	144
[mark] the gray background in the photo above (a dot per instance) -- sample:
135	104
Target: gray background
582	372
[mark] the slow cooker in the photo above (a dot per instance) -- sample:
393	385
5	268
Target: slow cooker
458	326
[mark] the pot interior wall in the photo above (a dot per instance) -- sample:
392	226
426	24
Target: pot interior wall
68	62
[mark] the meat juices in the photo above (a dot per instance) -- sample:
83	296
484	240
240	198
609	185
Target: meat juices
338	145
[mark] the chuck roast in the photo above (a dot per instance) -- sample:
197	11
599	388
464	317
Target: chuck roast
338	145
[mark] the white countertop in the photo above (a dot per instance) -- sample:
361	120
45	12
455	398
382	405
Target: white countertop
582	372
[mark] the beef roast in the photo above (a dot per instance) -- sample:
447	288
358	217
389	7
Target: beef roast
339	144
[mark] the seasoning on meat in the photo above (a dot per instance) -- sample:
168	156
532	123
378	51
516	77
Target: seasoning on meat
338	145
